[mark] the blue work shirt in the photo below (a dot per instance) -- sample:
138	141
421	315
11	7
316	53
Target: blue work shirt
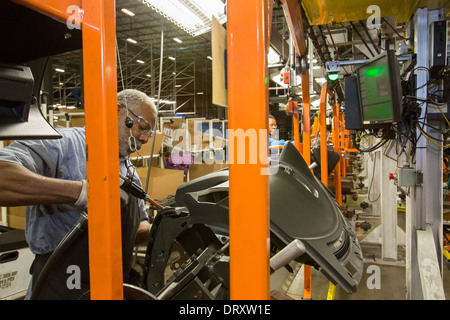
65	158
275	142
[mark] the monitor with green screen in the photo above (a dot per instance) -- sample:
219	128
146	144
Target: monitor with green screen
380	90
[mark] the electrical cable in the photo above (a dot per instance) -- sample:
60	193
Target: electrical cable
371	182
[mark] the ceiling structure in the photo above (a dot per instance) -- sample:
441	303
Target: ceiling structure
186	76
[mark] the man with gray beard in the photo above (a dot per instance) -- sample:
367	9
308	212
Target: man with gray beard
49	176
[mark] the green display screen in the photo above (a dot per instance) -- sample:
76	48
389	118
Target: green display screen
375	91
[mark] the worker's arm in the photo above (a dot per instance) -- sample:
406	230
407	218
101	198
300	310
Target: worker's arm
20	186
143	233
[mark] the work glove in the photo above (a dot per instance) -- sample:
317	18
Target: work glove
82	198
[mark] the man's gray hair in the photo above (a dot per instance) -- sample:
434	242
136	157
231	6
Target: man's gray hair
132	98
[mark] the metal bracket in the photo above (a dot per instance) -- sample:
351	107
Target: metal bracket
409	177
333	66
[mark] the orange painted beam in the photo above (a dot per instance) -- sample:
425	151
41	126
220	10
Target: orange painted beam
336	142
306	118
55	9
343	133
248	112
323	134
100	88
292	107
294	19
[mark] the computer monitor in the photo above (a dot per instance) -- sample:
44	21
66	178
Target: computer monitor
380	93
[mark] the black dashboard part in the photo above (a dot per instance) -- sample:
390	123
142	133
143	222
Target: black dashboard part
301	207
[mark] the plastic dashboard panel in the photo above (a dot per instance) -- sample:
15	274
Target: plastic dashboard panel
301	207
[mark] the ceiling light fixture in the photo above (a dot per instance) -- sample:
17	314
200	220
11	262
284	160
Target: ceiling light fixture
59	70
177	40
209	57
193	16
131	40
171	58
140	61
128	12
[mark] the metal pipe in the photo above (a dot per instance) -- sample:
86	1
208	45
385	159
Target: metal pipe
368	35
362	39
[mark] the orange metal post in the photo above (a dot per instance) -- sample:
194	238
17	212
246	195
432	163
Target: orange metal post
293	108
100	87
295	22
248	114
306	119
342	161
337	169
323	134
294	19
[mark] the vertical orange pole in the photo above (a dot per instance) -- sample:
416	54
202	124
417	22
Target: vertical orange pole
323	135
293	108
307	272
248	114
343	133
306	118
100	87
337	169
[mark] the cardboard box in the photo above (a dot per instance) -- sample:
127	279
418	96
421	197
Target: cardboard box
163	182
16	217
170	125
199	170
77	121
147	148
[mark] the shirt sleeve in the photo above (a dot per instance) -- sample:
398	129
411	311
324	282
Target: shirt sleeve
38	156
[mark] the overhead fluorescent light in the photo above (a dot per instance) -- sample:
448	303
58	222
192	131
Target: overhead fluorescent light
177	40
209	57
59	70
177	85
148	75
193	16
70	107
200	92
140	61
171	58
131	40
128	12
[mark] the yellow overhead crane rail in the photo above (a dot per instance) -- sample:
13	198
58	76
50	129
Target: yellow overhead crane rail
319	12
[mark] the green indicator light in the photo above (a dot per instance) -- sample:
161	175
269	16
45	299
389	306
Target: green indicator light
333	76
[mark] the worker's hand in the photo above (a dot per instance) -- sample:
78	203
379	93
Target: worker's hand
82	198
